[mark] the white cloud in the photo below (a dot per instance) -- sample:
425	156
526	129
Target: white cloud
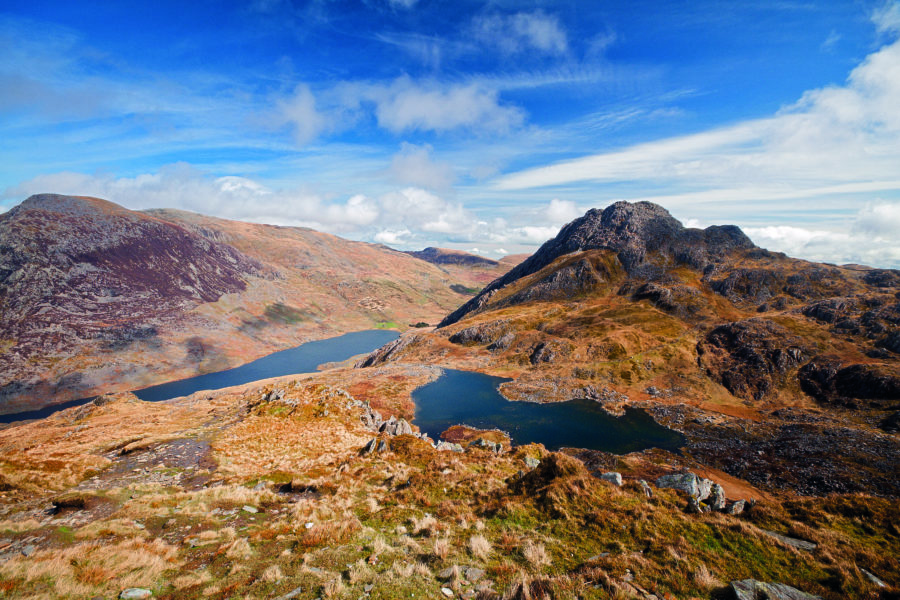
562	211
887	18
421	210
521	32
407	4
392	237
413	165
833	138
880	219
185	187
406	105
299	111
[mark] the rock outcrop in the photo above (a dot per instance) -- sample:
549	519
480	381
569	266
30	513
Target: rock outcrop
751	357
827	379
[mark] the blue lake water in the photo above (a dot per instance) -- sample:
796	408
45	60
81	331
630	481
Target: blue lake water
302	359
463	397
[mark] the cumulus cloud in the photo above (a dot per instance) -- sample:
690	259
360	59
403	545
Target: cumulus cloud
407	105
562	211
392	237
400	106
879	219
414	165
870	239
521	32
185	187
424	211
299	111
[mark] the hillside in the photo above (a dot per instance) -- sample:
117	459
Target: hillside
780	371
95	297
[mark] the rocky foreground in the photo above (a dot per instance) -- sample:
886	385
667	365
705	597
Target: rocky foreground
317	487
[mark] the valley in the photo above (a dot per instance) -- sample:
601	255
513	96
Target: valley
96	298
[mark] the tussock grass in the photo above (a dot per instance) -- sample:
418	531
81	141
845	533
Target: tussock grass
479	546
89	567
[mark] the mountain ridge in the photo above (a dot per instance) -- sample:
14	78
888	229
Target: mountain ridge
96	297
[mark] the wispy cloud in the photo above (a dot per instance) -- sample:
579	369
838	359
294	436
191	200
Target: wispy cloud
835	136
521	32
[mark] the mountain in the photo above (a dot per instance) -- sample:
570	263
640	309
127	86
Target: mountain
443	256
748	351
95	297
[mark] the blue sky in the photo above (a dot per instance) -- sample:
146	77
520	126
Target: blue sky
472	125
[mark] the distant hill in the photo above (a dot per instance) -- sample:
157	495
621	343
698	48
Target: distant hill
443	256
97	297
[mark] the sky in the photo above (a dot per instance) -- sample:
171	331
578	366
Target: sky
481	126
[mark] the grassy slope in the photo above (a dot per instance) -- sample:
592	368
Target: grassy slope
392	520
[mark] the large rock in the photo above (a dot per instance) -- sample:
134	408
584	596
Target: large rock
827	379
612	477
696	487
750	589
394	426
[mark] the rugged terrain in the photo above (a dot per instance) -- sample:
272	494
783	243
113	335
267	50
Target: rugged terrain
95	297
781	373
287	489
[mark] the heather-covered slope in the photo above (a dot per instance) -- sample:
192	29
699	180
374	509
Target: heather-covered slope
96	297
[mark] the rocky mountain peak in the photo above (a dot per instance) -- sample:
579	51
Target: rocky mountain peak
637	232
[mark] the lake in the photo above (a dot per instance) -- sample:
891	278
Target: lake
463	397
301	359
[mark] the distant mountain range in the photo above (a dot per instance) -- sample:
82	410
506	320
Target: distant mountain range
95	297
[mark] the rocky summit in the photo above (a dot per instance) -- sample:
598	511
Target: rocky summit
640	234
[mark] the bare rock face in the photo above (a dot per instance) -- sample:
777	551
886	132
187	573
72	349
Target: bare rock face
750	357
486	333
750	589
635	232
388	352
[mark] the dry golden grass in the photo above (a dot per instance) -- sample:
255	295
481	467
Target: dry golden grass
239	549
441	548
90	567
8	526
272	574
121	528
58	452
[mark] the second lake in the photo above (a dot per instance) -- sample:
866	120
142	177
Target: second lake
467	398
